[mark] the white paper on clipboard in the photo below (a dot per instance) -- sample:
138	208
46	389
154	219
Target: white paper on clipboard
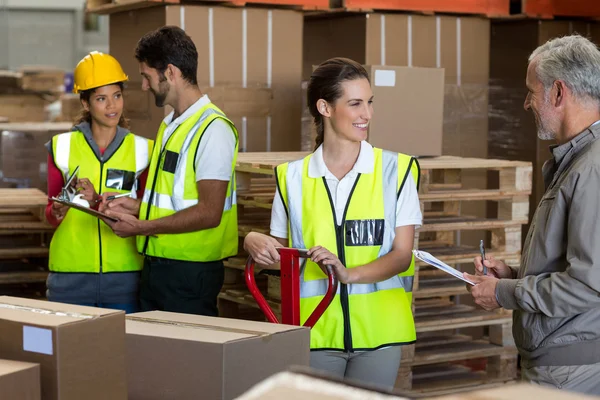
431	260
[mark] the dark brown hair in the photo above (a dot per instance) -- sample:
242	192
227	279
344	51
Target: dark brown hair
326	83
169	45
86	116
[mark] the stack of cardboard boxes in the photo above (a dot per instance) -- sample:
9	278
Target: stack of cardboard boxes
75	352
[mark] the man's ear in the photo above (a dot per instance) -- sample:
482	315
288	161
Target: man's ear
172	72
323	108
559	90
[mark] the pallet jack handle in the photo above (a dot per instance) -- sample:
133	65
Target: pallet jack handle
290	289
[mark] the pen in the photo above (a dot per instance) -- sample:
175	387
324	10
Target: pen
114	197
482	251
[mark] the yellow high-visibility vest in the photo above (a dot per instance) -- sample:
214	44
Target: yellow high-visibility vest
172	187
362	316
83	243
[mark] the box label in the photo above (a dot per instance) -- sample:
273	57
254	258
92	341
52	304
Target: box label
385	78
37	340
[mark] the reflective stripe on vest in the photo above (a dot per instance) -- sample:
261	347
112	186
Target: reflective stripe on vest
83	243
363	316
172	188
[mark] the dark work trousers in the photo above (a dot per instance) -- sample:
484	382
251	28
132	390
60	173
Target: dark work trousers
181	286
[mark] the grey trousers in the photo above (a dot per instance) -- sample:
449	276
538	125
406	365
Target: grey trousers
379	367
576	378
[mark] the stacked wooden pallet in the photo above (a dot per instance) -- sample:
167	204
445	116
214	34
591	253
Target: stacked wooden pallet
444	359
24	238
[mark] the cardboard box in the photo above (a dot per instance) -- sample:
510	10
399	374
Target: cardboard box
70	107
513	134
517	391
81	350
301	384
23	107
23	155
19	380
43	79
179	356
248	48
409	124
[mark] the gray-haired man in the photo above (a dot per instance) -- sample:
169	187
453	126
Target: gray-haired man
555	294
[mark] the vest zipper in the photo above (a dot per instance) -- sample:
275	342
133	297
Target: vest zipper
339	233
100	240
339	239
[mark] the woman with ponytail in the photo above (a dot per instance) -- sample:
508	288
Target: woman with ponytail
355	207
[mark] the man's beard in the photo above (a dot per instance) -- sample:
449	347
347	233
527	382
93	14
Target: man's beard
543	132
159	97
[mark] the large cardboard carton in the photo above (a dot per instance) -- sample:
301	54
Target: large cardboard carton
81	350
517	391
42	79
23	156
24	107
19	380
181	356
238	49
300	384
513	134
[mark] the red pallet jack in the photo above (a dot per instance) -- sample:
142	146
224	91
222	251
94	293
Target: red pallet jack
290	289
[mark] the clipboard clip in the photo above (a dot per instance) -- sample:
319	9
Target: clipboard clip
68	191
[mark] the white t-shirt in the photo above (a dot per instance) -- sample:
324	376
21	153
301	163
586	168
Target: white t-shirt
215	152
408	209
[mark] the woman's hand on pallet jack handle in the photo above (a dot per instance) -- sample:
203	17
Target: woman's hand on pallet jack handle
324	258
263	248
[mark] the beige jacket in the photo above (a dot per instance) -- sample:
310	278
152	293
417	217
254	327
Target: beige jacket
556	293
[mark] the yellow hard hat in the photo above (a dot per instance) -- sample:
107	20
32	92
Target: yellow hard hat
95	70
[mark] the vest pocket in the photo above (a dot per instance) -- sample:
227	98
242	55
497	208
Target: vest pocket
119	179
170	163
365	232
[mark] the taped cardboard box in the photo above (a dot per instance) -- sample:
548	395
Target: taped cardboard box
81	350
249	48
23	156
19	380
42	79
301	384
24	107
182	356
517	391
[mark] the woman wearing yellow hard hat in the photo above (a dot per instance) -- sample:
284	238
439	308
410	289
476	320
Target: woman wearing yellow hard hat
89	264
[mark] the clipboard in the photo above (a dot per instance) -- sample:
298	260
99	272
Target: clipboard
86	210
431	260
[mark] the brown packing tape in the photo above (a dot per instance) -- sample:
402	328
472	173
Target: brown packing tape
46	311
197	326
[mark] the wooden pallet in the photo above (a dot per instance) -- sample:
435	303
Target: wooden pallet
24	239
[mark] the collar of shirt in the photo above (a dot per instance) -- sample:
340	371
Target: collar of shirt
365	163
202	102
560	151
